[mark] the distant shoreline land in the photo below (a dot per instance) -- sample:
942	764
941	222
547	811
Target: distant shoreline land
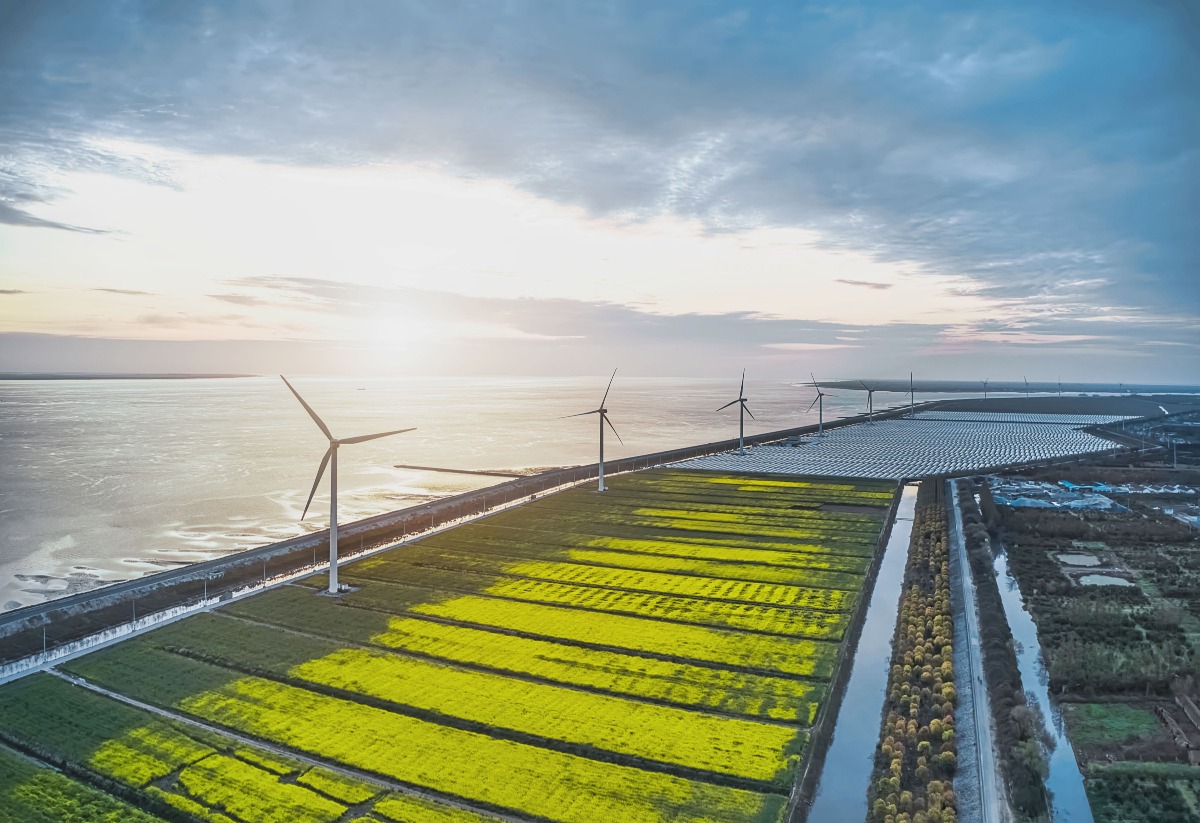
111	376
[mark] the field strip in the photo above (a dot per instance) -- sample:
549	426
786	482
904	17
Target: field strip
663	532
745	770
819	588
583	633
665	535
338	768
777	621
801	693
799	555
726	568
686	642
555	785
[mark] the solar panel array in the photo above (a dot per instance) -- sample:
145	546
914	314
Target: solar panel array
996	417
895	449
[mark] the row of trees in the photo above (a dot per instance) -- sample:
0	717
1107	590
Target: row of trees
916	758
1017	727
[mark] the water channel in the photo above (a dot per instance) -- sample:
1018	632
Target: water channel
1068	803
841	795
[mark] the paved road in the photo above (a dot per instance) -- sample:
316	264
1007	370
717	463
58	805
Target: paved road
985	750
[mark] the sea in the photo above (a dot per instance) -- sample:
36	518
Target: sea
107	480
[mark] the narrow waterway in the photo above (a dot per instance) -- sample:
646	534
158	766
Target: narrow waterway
841	795
1069	803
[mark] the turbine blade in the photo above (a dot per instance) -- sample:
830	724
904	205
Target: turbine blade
614	428
320	474
864	385
742	388
813	403
747	408
730	403
581	414
814	382
363	438
606	391
320	423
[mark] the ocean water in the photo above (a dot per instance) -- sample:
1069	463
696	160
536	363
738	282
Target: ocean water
106	480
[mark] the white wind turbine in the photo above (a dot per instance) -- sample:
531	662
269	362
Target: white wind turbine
331	457
870	401
603	412
819	402
912	396
743	410
985	385
1026	379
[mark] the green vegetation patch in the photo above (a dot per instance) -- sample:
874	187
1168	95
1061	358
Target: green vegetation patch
1098	724
1143	793
34	794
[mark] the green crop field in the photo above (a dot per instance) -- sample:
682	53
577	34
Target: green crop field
655	654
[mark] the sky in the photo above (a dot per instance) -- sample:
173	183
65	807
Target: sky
540	188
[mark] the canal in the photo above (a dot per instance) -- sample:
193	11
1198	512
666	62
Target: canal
841	795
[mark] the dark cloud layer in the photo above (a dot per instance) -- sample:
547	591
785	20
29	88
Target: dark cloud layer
1046	151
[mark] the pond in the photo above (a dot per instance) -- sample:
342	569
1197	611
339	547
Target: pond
1104	580
841	795
1078	559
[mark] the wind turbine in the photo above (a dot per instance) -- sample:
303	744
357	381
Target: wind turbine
743	410
331	457
1060	386
1026	379
985	384
912	396
603	412
819	402
870	401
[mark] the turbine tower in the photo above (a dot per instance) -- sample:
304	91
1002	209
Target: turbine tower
819	402
912	396
870	401
603	412
1026	379
985	384
743	410
331	457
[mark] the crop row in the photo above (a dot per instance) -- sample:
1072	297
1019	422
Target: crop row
646	678
800	570
722	516
825	625
177	772
739	748
34	794
822	590
758	652
916	758
499	773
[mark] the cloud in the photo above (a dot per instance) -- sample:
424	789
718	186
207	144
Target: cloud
810	346
866	284
240	299
13	291
1044	151
16	217
125	291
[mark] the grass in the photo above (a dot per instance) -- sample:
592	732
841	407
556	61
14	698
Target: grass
1098	724
653	655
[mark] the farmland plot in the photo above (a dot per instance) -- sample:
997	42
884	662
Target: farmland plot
657	654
